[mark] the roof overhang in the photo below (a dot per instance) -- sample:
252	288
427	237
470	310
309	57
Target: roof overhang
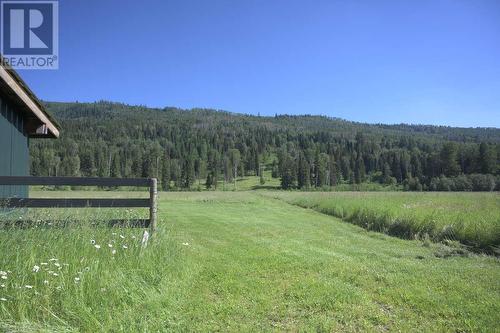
38	124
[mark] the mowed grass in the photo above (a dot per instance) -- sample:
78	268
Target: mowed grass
239	261
472	219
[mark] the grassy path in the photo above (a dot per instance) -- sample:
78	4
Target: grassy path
242	262
263	264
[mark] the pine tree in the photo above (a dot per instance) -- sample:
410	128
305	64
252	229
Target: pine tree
115	170
209	181
449	160
303	175
165	173
287	171
188	173
487	159
359	170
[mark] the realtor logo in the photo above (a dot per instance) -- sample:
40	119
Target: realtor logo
29	34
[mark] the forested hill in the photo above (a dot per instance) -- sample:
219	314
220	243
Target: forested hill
180	146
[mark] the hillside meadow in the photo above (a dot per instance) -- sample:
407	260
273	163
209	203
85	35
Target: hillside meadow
240	261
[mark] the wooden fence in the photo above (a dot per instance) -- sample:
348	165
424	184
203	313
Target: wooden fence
151	203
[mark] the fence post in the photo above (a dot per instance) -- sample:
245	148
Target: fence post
153	192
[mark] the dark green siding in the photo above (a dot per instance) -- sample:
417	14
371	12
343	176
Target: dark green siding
14	152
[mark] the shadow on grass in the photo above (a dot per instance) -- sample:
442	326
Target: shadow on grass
264	187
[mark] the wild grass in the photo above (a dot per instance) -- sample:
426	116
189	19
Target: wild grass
473	219
237	262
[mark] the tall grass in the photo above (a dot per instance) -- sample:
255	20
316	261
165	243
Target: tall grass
74	275
472	219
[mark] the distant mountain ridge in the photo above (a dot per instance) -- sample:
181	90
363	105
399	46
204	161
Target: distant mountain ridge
104	109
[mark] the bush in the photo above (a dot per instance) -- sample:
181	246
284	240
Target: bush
463	183
413	184
482	182
391	181
473	182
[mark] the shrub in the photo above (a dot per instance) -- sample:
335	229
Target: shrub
473	182
482	182
413	184
463	183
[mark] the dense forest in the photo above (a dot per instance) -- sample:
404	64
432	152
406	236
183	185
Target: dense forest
201	147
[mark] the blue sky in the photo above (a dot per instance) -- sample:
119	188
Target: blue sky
432	62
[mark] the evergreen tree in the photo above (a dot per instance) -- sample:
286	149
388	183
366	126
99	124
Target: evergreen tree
287	171
209	181
115	170
487	159
449	161
303	172
165	174
359	170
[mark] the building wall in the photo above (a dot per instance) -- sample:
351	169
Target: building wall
14	150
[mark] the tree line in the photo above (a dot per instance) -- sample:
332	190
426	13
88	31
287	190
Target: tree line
201	147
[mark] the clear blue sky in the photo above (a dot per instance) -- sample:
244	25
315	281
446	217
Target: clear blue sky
432	62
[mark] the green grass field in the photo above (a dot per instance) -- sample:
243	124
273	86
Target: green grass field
472	219
240	261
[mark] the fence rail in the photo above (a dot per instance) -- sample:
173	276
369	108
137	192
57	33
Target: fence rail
73	203
75	181
84	202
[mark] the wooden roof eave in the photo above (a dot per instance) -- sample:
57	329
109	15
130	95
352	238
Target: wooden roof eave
41	124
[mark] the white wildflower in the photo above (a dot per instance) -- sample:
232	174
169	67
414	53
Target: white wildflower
45	282
97	246
57	264
113	233
113	252
2	285
133	237
4	277
3	299
125	246
122	237
58	287
92	241
55	274
110	245
53	259
28	286
185	244
36	268
77	279
43	264
3	273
